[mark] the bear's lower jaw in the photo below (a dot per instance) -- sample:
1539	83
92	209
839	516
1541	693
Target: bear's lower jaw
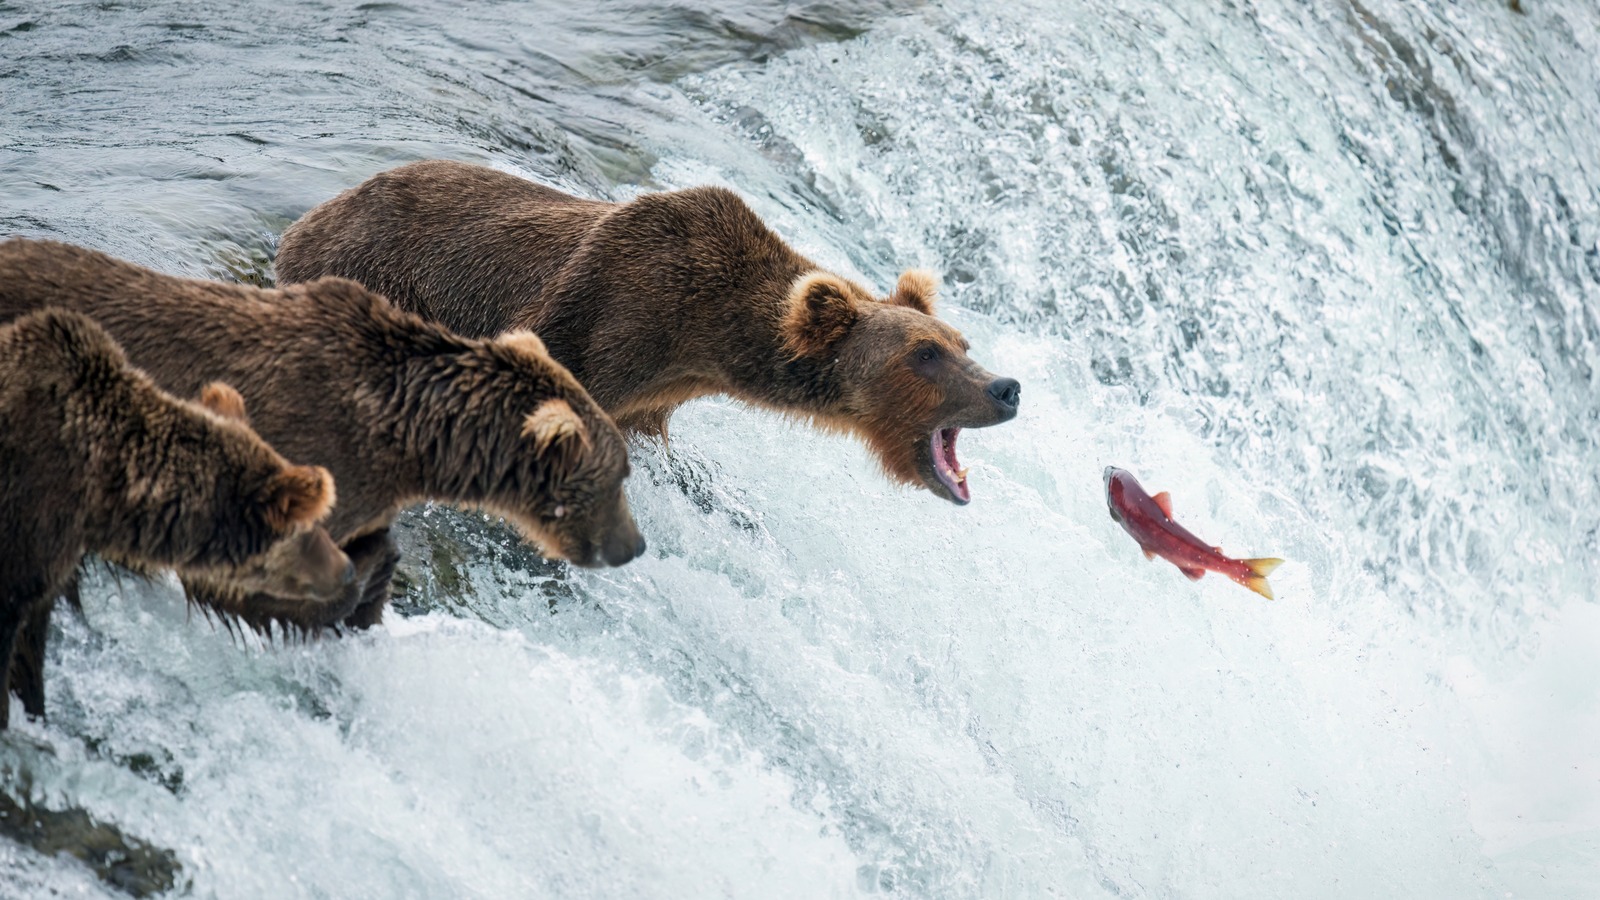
947	470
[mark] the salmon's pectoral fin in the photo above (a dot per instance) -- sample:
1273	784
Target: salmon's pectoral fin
1260	568
1194	574
1150	554
1164	500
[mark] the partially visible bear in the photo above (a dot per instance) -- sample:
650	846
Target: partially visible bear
399	409
654	302
95	459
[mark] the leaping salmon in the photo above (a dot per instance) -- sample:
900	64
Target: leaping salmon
1149	520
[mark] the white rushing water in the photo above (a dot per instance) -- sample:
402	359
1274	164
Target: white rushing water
1329	273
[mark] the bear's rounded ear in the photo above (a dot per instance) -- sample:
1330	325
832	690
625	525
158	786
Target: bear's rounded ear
915	289
556	431
223	400
524	340
298	496
821	312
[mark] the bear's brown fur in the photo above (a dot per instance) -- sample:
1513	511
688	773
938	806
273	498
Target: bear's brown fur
659	300
94	458
399	409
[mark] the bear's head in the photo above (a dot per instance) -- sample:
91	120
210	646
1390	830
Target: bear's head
285	502
563	462
301	560
901	378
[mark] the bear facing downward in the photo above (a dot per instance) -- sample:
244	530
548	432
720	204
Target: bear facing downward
400	410
95	459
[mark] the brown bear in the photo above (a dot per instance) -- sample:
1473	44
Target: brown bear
401	410
660	300
94	458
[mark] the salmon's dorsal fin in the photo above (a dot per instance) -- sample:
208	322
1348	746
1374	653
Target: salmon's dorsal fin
1164	500
1194	574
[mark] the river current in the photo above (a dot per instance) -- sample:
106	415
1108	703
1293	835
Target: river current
1328	271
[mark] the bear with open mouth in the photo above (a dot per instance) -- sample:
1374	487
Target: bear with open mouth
662	299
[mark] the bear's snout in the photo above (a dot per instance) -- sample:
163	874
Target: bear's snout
1007	395
614	540
324	570
619	549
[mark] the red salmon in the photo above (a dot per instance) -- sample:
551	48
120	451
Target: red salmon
1149	520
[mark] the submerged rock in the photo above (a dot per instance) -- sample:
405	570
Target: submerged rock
125	863
447	554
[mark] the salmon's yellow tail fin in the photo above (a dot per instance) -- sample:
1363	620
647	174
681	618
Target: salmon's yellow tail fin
1260	569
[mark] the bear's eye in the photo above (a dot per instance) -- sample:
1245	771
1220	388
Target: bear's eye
927	354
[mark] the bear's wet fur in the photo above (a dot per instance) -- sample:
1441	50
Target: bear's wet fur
659	300
94	458
399	409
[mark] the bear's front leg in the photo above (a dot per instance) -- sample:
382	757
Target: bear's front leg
375	557
649	423
12	612
27	658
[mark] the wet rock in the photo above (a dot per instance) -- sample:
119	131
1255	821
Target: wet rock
125	863
445	553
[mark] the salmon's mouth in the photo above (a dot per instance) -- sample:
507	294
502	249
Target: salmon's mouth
942	447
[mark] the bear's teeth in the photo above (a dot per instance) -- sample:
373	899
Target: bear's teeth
961	475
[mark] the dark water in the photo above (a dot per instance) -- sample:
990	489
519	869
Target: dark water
1328	272
175	124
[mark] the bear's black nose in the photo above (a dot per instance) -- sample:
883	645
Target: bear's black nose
1007	392
619	550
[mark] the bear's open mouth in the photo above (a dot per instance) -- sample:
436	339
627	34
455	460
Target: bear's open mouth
946	466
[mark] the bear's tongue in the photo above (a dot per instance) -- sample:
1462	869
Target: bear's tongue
945	464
